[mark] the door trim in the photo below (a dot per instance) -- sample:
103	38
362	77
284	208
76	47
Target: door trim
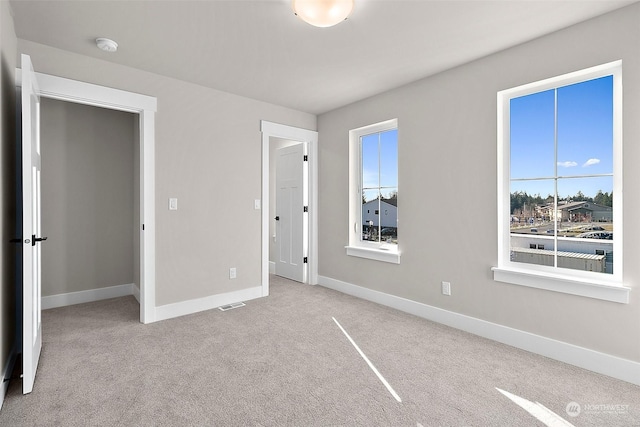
276	130
145	106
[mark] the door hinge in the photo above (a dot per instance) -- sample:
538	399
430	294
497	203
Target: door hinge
142	227
305	158
305	209
304	260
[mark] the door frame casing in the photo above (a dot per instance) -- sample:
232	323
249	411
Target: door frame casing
275	130
145	106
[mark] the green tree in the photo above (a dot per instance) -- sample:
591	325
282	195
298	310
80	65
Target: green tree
603	199
580	197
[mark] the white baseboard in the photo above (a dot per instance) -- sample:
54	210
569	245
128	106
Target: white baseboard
136	292
592	360
272	267
6	374
80	297
184	308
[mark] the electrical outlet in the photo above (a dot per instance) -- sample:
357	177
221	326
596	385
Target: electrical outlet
232	273
446	288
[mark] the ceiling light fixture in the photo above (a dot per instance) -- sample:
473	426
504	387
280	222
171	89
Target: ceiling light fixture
322	13
107	45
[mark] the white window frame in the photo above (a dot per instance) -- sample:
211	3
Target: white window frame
602	286
379	251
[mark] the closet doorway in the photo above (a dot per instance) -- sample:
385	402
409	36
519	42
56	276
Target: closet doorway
144	107
89	203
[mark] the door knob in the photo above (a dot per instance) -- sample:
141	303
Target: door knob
277	218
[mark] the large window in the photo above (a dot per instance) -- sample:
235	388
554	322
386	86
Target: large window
374	192
560	183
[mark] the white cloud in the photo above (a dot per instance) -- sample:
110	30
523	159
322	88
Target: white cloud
591	162
567	164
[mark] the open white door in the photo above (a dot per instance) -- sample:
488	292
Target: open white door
31	233
291	219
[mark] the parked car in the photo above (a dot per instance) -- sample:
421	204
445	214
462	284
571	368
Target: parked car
592	228
605	235
388	232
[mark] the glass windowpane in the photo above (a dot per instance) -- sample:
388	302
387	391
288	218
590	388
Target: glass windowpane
389	158
585	128
370	161
379	154
532	135
532	224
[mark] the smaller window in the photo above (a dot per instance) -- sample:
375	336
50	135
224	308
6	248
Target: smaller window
373	184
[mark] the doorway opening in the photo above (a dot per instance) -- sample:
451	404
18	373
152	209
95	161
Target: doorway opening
89	203
144	107
289	142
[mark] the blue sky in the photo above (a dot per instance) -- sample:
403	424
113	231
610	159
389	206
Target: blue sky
386	163
585	139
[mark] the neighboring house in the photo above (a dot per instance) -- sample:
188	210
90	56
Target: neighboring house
581	211
381	212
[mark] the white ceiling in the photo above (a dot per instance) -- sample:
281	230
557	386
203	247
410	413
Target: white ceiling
259	49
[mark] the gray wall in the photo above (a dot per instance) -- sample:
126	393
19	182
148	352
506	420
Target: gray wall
8	45
87	197
208	155
448	161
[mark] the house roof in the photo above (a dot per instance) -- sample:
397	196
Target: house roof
392	202
584	204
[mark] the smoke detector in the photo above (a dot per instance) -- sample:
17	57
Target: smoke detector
107	45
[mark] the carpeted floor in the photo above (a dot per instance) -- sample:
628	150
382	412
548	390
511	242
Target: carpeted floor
282	360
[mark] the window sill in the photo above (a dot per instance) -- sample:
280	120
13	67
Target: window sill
385	255
602	290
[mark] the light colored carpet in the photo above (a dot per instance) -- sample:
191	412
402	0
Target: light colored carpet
282	360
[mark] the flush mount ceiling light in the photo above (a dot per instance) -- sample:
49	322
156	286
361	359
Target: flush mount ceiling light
107	45
322	13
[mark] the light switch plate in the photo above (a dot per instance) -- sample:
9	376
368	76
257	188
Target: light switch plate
256	204
173	204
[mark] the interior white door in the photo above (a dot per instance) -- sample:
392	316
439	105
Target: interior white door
31	232
290	214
